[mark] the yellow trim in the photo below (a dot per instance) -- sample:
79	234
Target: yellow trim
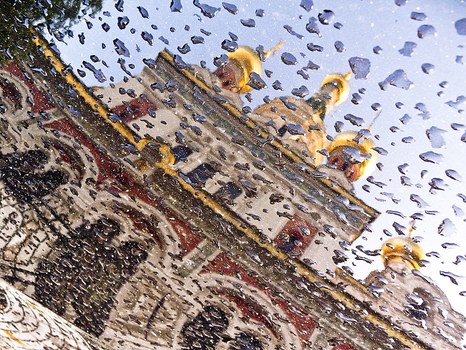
300	268
13	337
165	165
82	91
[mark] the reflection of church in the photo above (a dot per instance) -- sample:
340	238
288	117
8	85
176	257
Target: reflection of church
169	216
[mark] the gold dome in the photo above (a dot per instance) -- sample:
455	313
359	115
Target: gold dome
248	61
402	249
364	145
341	82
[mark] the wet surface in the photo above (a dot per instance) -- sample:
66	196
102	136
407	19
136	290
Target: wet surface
254	169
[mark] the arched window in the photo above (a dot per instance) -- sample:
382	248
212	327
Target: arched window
206	330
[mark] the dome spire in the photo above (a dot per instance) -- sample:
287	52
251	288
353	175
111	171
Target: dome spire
353	152
243	61
274	49
375	119
403	251
340	82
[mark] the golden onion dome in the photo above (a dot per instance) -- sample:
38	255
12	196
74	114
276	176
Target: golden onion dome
341	83
402	249
364	145
248	61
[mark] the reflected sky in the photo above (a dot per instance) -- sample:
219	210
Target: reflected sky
414	45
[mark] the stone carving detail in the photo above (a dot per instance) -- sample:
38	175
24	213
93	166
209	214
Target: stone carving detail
26	324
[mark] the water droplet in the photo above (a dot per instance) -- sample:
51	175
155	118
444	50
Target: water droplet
230	8
354	119
98	74
418	16
294	129
458	211
408	49
250	22
119	5
455	104
425	31
428	68
288	58
356	99
460	26
176	6
377	50
256	82
120	48
312	66
230	46
197	40
307	5
302	91
437	184
290	30
184	49
435	137
459	259
339	46
143	12
148	37
312	26
402	168
123	22
407	139
259	13
398	78
449	245
431	157
338	126
326	17
418	200
453	174
446	228
277	85
360	67
207	10
311	47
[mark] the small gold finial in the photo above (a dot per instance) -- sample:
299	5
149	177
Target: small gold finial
348	75
373	121
274	49
411	227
